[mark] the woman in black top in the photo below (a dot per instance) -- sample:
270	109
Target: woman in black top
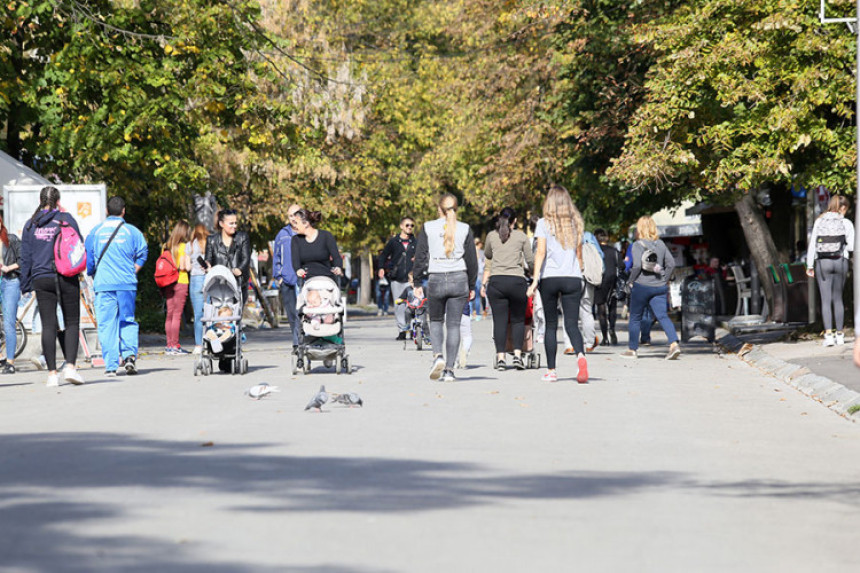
231	248
314	251
10	292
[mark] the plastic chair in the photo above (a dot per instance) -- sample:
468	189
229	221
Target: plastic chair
744	291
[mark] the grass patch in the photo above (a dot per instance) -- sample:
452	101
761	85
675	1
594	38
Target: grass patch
854	409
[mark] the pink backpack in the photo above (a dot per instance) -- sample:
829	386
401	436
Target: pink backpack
70	256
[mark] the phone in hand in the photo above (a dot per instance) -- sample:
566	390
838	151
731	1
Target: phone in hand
201	261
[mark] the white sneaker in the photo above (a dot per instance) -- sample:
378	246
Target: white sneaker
828	339
438	367
53	381
840	338
39	362
197	350
70	374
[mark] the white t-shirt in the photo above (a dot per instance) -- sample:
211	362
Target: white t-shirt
559	262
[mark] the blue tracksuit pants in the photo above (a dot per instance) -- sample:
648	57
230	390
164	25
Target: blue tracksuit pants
118	331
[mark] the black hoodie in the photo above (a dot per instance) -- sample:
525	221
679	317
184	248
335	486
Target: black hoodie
37	242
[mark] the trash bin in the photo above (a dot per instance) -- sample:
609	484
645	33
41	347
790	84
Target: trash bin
273	300
780	300
698	309
796	292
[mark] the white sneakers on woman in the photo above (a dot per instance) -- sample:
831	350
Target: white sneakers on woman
70	374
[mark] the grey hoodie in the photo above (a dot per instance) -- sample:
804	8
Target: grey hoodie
667	261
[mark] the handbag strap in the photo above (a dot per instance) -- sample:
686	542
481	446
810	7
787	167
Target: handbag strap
110	240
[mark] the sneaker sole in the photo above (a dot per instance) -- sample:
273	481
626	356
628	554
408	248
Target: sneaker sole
130	369
436	372
673	355
582	375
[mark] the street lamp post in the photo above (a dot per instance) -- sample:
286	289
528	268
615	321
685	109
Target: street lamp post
855	29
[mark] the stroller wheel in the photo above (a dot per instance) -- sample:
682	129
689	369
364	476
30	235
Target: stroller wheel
328	362
244	366
294	364
345	365
306	365
338	368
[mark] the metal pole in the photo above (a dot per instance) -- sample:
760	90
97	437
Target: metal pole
857	197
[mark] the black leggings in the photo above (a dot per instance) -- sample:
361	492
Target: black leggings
610	308
508	298
46	296
569	290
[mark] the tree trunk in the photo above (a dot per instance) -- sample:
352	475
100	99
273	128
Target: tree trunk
763	252
366	276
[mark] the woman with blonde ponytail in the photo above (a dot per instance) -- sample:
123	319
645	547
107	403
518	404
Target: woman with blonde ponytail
558	275
446	257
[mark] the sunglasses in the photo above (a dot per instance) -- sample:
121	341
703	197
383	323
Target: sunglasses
408	226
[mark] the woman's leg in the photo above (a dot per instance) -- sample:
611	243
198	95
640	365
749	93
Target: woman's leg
46	296
660	305
838	285
499	304
637	302
436	311
571	293
458	297
11	293
824	281
70	300
549	293
195	291
604	323
518	302
181	296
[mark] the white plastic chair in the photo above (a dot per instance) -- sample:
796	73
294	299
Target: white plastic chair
744	290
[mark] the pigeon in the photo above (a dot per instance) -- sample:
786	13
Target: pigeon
260	390
318	400
350	399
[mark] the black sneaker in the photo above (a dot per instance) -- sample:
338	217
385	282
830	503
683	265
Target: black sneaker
7	368
401	336
518	363
130	366
448	376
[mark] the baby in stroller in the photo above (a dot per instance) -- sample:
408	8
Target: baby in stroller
219	332
222	316
322	314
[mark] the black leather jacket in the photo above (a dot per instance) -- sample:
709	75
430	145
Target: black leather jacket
12	255
238	256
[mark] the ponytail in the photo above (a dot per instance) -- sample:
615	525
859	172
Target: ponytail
448	209
503	223
49	198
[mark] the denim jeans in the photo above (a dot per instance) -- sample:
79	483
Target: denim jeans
11	294
195	291
289	299
447	296
654	297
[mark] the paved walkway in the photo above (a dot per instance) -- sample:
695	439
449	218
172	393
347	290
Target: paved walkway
704	464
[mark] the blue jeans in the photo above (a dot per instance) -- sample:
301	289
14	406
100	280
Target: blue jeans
654	297
288	299
195	291
647	324
477	302
118	330
11	294
382	298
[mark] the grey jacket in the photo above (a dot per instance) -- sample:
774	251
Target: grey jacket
667	261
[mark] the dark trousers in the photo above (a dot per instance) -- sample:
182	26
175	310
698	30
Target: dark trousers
508	301
607	314
288	299
568	290
69	299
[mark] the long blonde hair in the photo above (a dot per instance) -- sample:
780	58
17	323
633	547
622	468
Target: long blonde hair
836	203
448	209
646	228
179	235
563	218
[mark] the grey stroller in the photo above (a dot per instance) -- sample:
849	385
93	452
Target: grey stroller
222	321
322	313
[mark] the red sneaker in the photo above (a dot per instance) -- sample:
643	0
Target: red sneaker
582	375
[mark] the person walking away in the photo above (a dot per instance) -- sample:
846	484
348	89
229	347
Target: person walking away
114	263
586	302
39	274
231	248
445	255
284	274
647	314
314	251
196	250
827	257
605	296
396	262
509	257
177	293
479	308
652	267
10	293
558	276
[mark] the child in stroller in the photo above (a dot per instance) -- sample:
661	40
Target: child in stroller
222	316
322	314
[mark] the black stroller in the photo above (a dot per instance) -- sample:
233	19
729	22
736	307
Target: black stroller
220	294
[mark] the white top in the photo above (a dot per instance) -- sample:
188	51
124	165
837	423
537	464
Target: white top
439	261
849	238
559	262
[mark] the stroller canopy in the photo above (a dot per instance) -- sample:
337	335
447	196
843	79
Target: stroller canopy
221	284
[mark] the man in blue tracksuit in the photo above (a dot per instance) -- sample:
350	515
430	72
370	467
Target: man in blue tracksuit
114	267
284	275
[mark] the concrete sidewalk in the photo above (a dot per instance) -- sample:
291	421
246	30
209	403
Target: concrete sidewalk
704	464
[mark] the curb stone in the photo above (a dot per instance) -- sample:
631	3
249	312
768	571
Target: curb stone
824	390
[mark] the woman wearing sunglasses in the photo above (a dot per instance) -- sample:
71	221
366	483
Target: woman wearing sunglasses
232	248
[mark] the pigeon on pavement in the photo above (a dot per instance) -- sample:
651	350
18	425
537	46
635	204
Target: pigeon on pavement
260	390
318	400
350	399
